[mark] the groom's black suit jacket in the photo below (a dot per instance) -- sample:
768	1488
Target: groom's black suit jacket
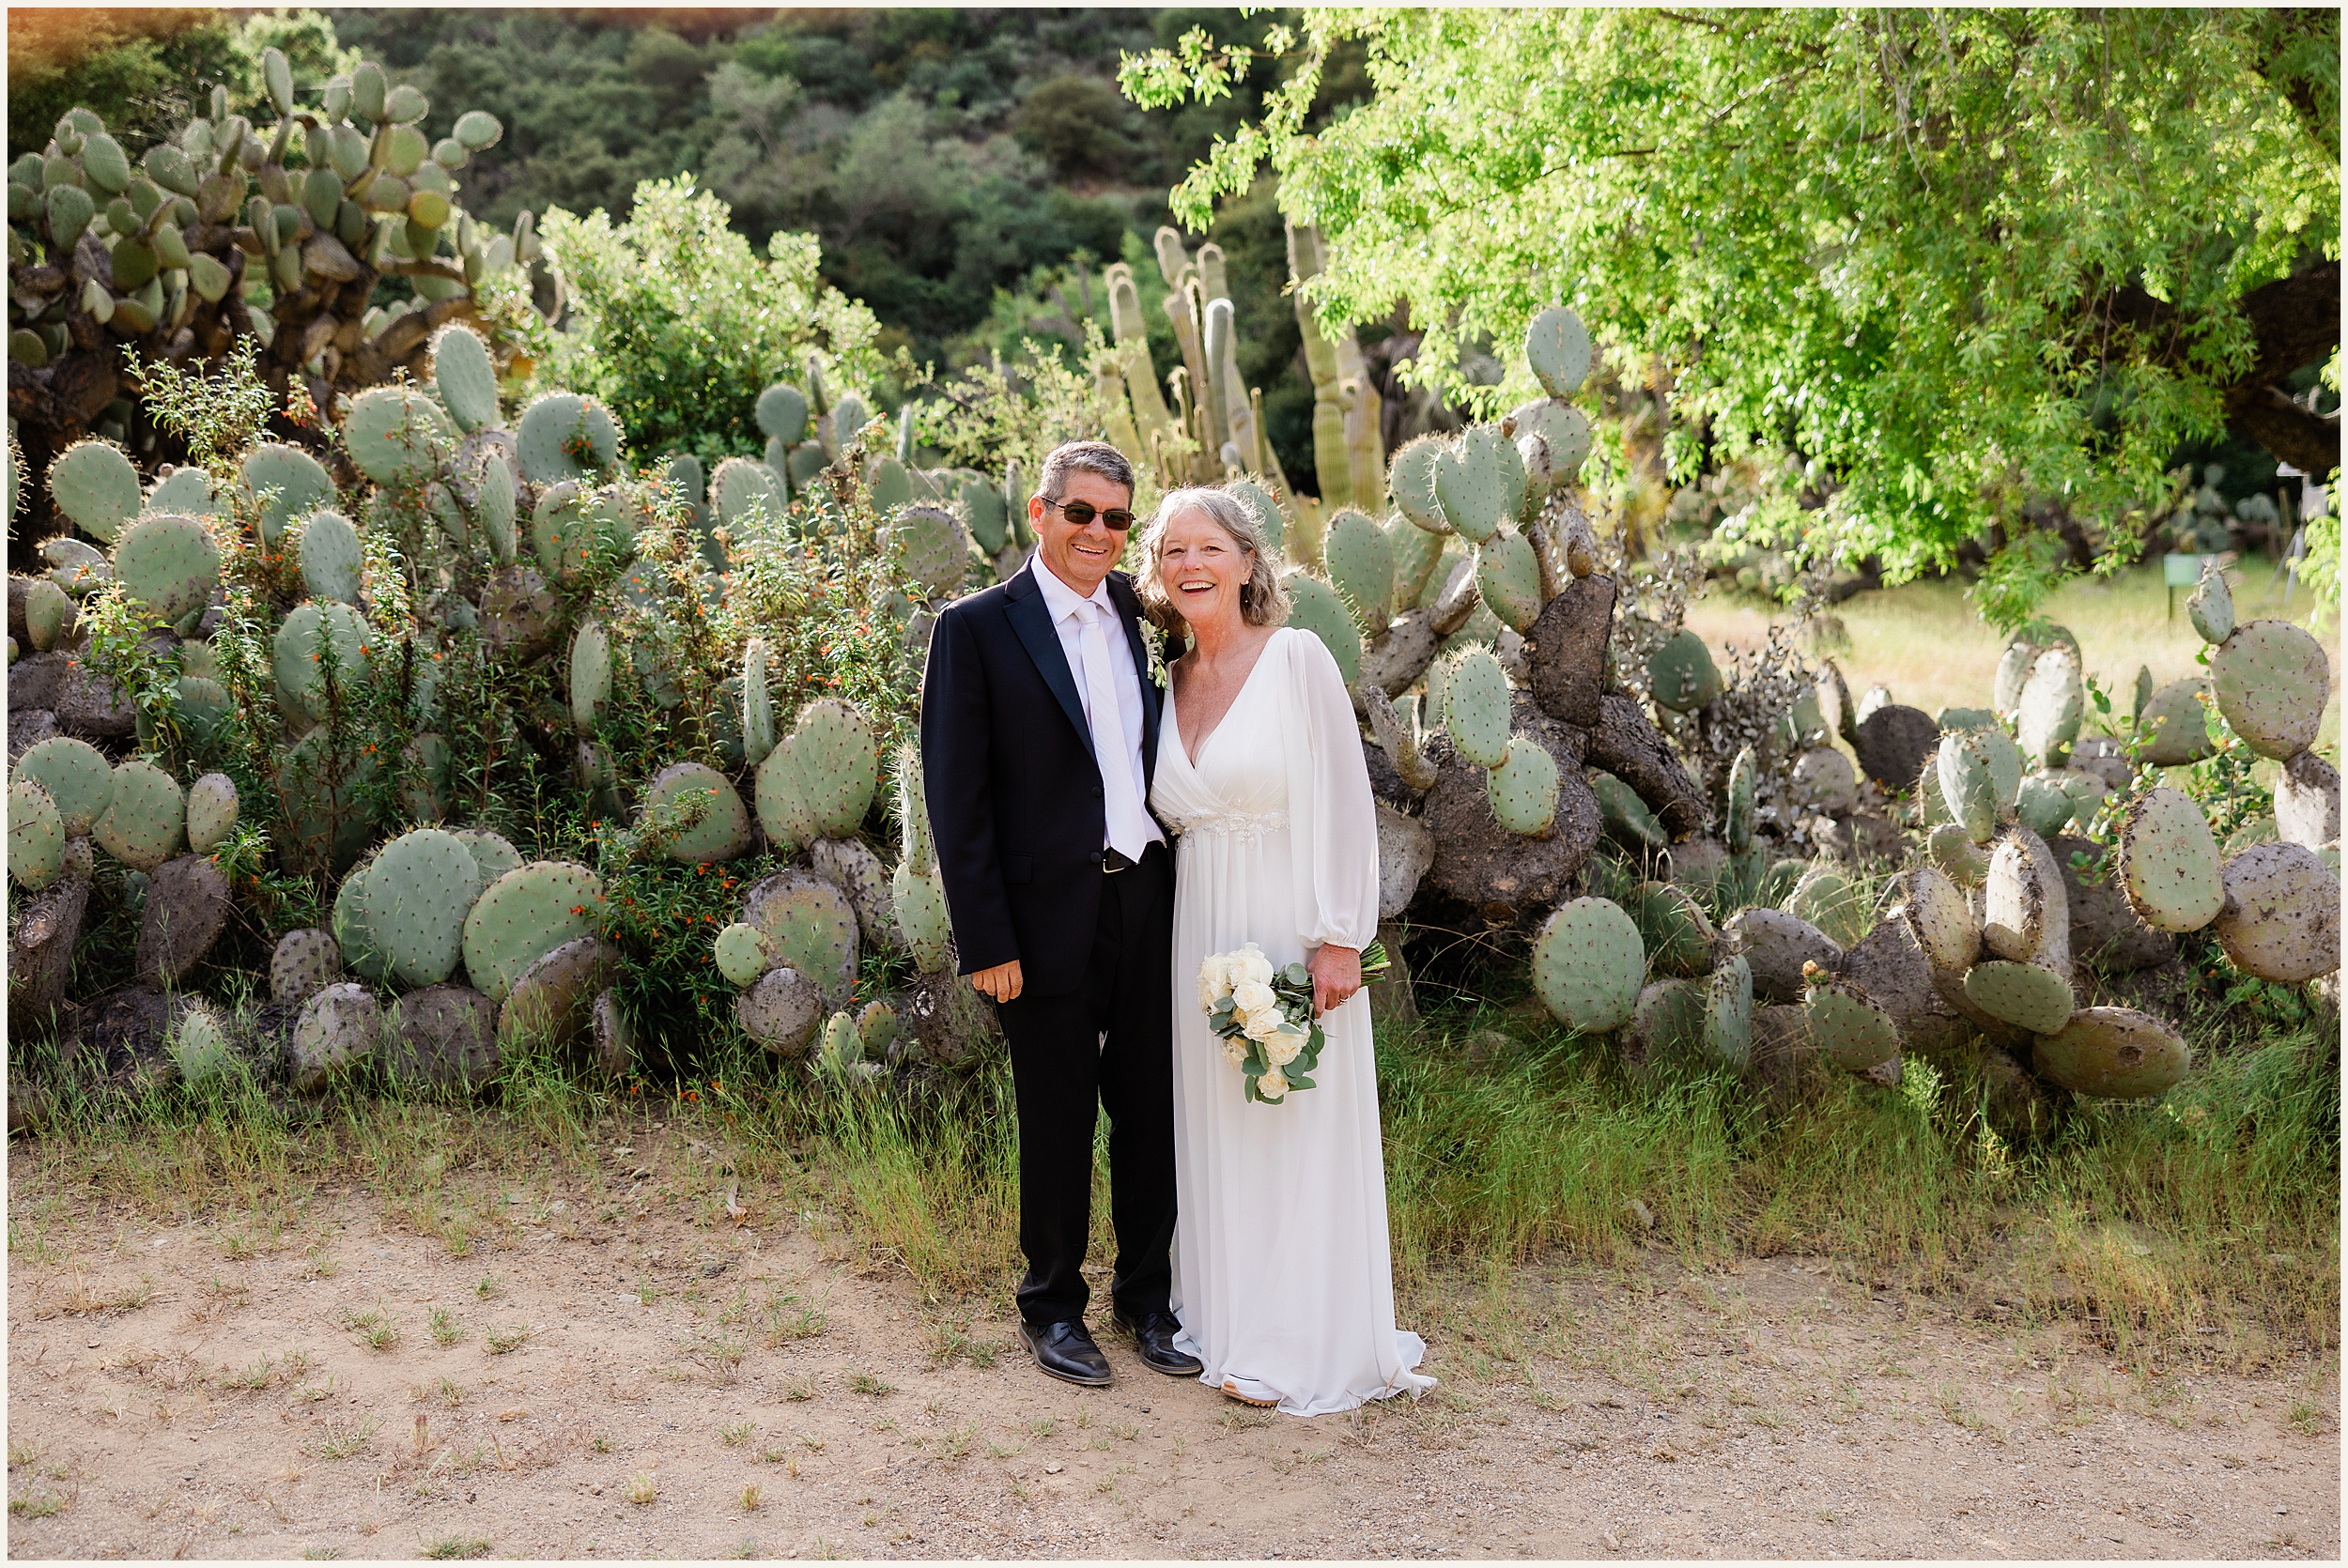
1016	809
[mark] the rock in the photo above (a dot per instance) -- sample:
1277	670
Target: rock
1405	851
1892	743
551	1002
42	939
88	707
2105	934
2307	801
1777	945
782	1009
1566	650
188	905
27	728
306	962
950	1022
1626	745
1482	865
444	1038
33	679
1824	781
339	1028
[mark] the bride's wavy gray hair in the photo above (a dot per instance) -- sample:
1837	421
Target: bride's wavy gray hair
1262	601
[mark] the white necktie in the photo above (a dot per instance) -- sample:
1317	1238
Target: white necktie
1111	746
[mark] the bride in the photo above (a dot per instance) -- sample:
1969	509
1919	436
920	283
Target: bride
1282	1280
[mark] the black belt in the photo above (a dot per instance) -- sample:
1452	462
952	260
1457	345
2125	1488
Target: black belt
1113	862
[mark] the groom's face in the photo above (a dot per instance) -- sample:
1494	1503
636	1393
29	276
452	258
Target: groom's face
1080	554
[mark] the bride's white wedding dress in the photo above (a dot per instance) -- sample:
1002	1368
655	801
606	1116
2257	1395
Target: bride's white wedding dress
1282	1277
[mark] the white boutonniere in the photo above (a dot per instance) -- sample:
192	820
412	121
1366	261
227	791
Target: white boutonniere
1154	640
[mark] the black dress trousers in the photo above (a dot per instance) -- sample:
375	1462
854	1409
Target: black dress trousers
1061	1068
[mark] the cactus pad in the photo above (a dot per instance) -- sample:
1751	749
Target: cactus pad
1508	574
1589	963
2211	605
186	490
94	484
199	1046
917	904
1411	479
552	1002
564	436
1728	1012
809	927
2281	920
979	505
1848	1025
842	1045
2053	703
167	564
741	953
305	963
1966	787
1626	817
418	890
332	560
397	436
781	1011
723	830
1682	675
782	414
2026	915
1941	918
284	482
48	613
1736	828
1953	849
591	674
1678	935
1564	432
1476	707
2022	994
468	382
144	817
2271	679
2114	1054
339	1028
36	837
1776	945
929	549
522	916
1361	569
1524	788
1558	347
2175	723
1667	1023
301	648
740	491
1316	608
2169	863
211	812
490	852
818	781
2044	806
79	779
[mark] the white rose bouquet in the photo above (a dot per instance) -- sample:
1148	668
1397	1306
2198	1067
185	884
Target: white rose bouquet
1265	1017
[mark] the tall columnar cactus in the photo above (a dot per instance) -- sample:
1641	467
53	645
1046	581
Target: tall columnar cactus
1349	449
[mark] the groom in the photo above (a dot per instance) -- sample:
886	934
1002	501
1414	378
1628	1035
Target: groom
1039	738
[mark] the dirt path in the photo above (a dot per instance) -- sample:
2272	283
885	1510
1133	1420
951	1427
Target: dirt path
619	1388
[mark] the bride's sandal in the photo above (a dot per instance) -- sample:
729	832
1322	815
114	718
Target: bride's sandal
1231	1390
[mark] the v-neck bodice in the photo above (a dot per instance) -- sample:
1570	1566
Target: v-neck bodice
1242	786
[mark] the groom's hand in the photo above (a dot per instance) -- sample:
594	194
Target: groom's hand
1337	973
1002	982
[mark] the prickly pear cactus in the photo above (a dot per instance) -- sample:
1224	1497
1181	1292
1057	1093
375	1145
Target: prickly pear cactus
1728	1012
809	926
566	436
36	837
918	903
1316	608
1589	963
76	775
1557	345
1681	674
722	830
145	816
741	953
1738	821
522	916
1508	574
1361	569
285	483
96	485
211	812
818	782
1848	1027
2113	1053
339	1028
467	381
2023	994
2053	702
929	549
1966	787
301	653
2169	863
168	564
1411	479
397	436
1952	849
418	891
591	674
1678	936
1523	789
2281	916
198	1045
2271	679
1476	707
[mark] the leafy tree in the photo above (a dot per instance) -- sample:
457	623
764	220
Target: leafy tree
1953	259
679	324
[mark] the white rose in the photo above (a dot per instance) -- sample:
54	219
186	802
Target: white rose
1210	988
1235	1052
1263	1026
1250	964
1273	1086
1253	996
1283	1048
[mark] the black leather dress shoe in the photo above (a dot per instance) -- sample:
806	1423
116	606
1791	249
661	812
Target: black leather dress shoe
1153	1337
1065	1351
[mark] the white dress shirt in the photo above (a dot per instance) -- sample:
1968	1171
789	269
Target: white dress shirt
1128	819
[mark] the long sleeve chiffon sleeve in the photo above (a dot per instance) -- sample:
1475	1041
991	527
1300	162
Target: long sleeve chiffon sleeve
1333	826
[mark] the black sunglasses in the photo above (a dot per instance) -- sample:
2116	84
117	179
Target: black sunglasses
1081	513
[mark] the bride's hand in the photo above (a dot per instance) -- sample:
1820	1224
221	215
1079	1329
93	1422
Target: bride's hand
1337	973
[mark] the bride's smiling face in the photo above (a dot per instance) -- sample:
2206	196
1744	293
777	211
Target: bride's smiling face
1202	568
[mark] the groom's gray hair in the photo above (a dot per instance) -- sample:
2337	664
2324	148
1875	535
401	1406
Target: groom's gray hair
1262	601
1082	457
